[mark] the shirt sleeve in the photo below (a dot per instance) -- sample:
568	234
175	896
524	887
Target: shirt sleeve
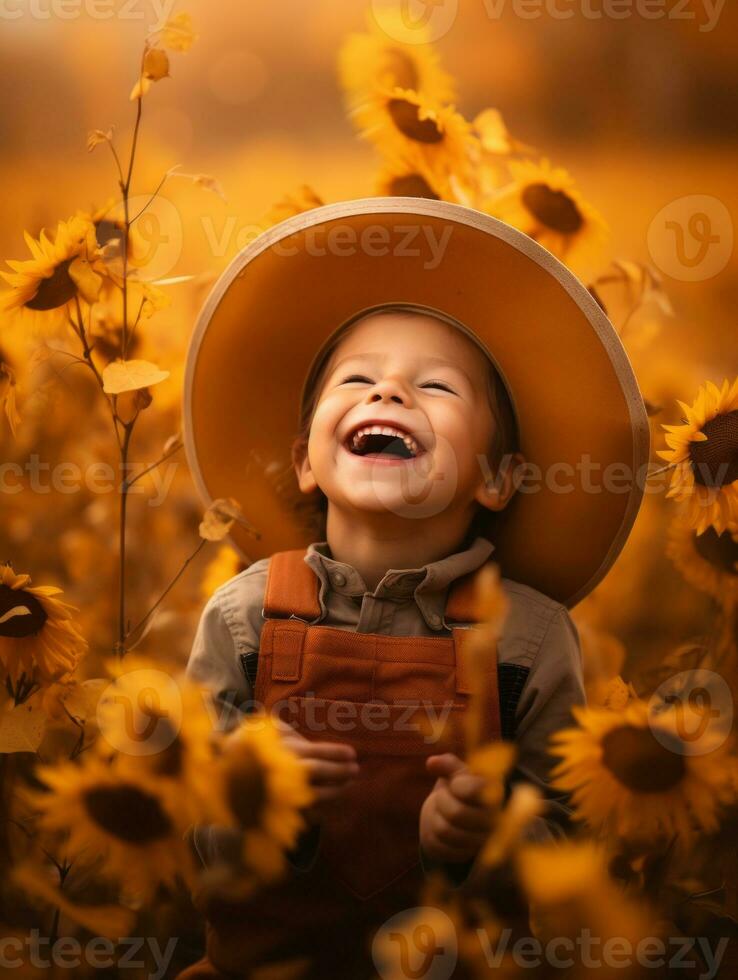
554	685
214	663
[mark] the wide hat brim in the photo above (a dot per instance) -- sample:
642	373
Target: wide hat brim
574	392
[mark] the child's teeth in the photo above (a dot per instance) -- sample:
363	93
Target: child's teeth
367	430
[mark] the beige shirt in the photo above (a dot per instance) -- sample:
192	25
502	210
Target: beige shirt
539	650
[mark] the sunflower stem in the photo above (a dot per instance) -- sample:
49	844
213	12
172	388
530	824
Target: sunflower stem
126	186
79	329
128	431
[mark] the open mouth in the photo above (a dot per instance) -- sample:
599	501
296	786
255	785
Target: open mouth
386	441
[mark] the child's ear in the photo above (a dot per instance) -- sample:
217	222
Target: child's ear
496	492
301	461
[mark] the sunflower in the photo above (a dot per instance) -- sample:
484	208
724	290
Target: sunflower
263	787
402	122
159	726
570	889
121	820
543	202
389	57
704	453
43	287
708	561
405	178
630	774
8	388
304	199
38	640
220	570
109	223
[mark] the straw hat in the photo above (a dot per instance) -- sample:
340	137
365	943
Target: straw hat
581	417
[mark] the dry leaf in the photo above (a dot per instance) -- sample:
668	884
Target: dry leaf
178	34
156	64
203	180
97	136
120	376
22	727
220	517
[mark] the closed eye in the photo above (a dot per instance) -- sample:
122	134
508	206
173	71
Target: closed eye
438	384
357	377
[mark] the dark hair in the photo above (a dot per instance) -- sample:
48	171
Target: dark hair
313	508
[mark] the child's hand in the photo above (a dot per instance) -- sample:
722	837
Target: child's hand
454	822
331	766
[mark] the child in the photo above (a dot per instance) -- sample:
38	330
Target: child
408	454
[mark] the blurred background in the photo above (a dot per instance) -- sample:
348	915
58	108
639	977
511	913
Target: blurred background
641	111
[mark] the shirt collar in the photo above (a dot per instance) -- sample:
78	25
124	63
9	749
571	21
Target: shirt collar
427	584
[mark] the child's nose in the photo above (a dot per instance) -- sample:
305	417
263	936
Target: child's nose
391	390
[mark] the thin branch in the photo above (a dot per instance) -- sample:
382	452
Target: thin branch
175	449
168	589
158	188
129	338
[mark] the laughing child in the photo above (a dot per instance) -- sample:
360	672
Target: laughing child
407	460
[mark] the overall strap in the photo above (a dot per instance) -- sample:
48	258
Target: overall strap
292	587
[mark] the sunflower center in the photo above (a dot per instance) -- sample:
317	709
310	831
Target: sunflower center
400	69
20	623
554	209
715	462
412	185
54	291
721	550
247	792
129	813
640	762
109	231
406	116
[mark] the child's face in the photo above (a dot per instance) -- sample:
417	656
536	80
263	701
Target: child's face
423	377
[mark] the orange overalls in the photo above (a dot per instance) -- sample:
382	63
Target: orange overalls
375	692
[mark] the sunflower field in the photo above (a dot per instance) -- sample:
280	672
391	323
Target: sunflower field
112	240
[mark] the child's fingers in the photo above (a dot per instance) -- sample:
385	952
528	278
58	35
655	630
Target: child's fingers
463	815
325	794
455	837
467	787
444	766
324	773
331	751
